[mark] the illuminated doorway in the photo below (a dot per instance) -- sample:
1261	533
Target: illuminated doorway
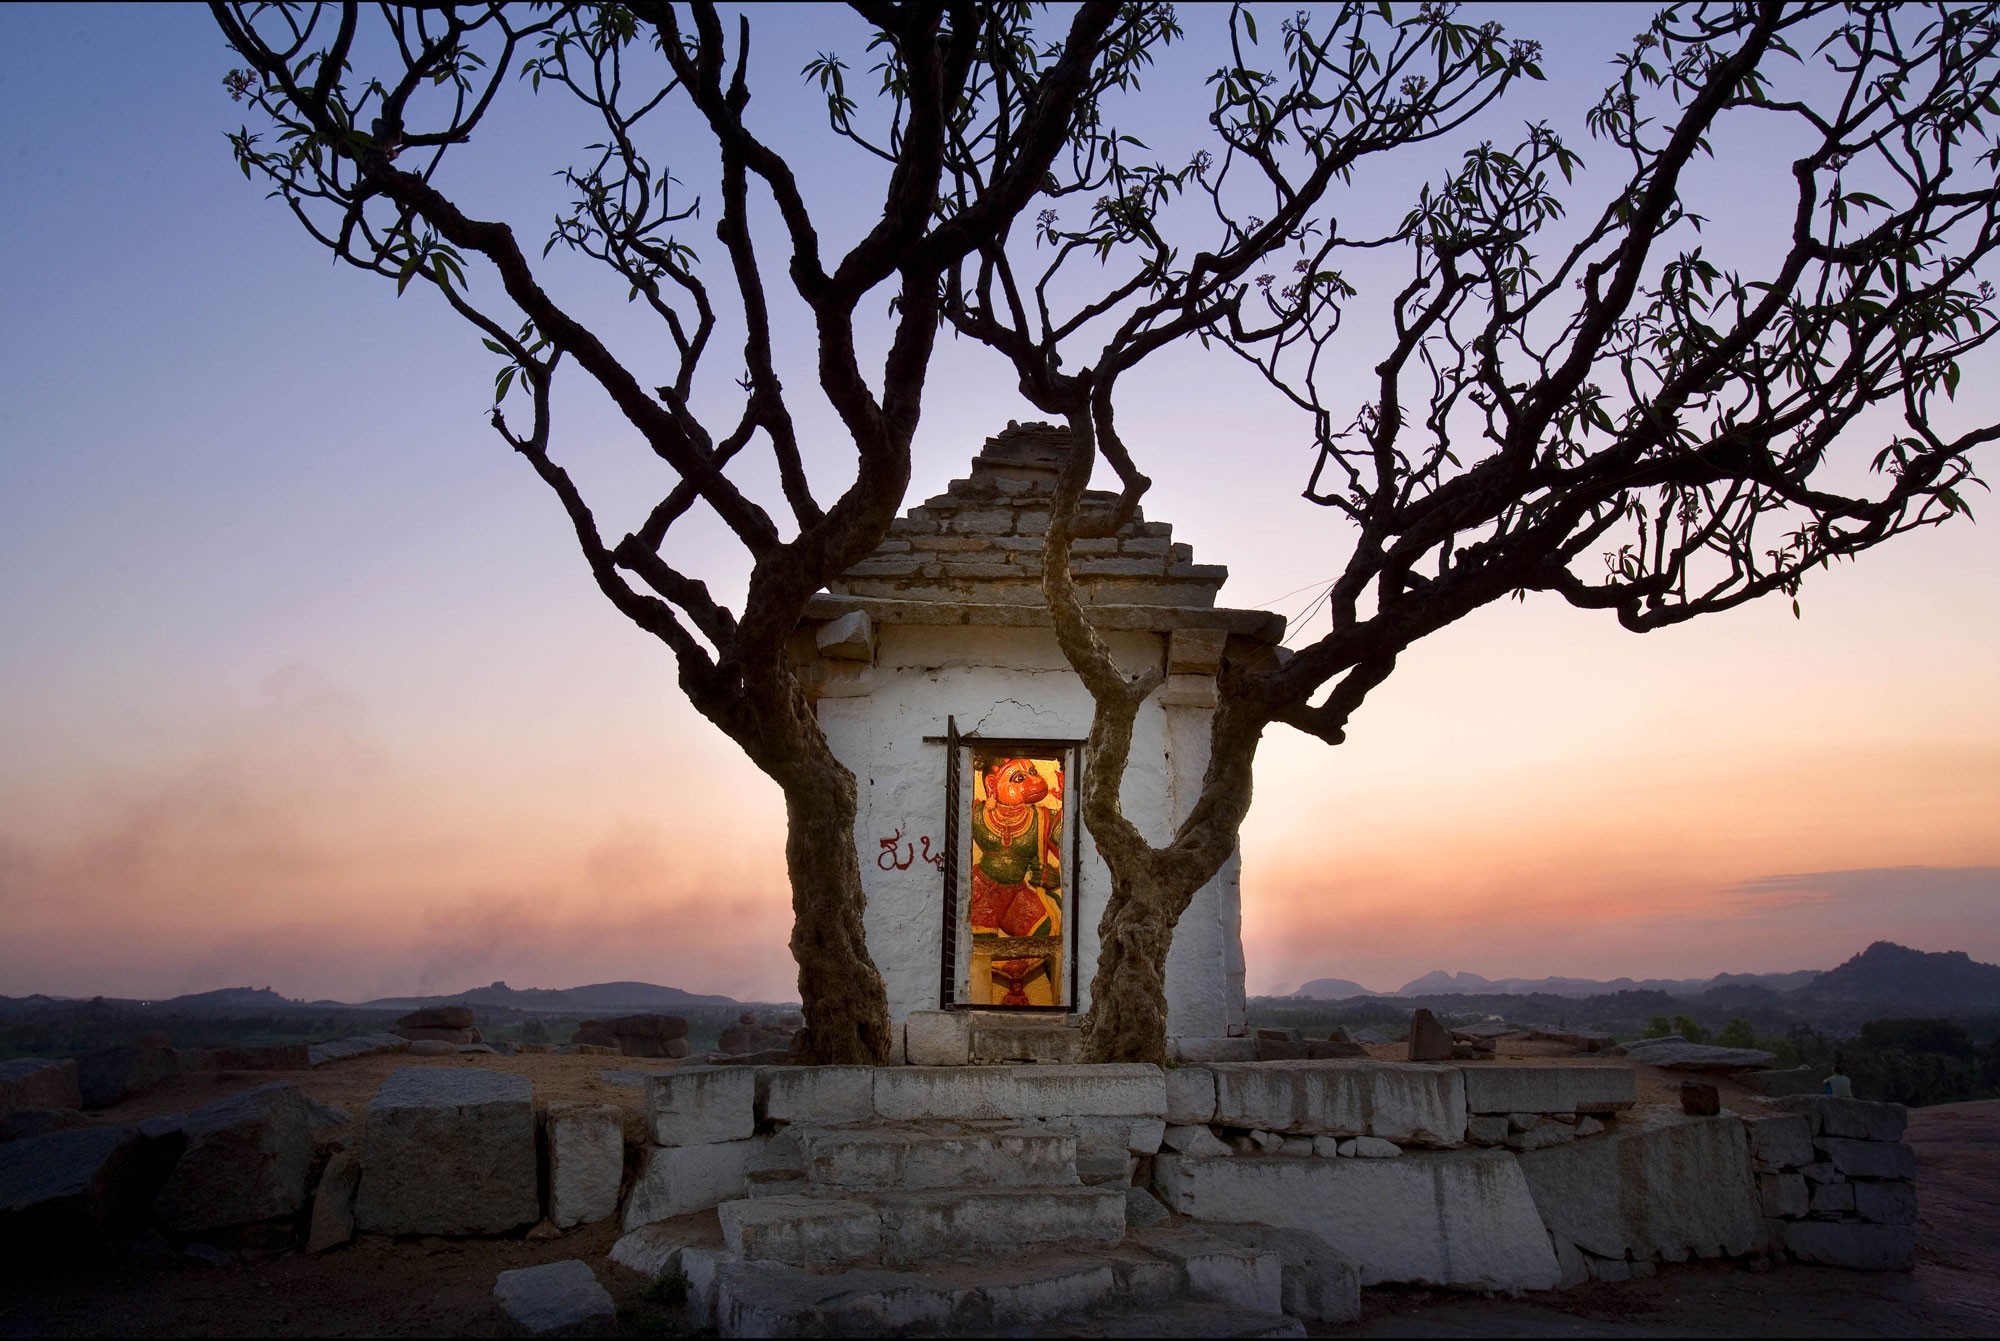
1010	875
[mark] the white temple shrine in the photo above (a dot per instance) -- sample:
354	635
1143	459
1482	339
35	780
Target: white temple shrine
939	682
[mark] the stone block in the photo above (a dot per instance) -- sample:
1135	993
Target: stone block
1029	1043
1398	1101
701	1105
1660	1185
886	1159
1783	1195
772	1299
1190	1095
1324	1147
1194	1140
1857	1119
1125	1089
1486	1129
1830	1198
1886	1203
958	1093
811	1232
848	638
1429	1040
359	1045
1299	1147
1461	1218
1541	1136
1189	651
554	1297
938	1038
815	1094
1212	1049
1869	1159
34	1083
978	1222
449	1151
1226	1270
682	1179
1319	1284
247	1159
985	521
651	1249
1785	1142
333	1203
76	1198
1143	1210
1857	1247
1369	1147
586	1145
1145	1136
1549	1089
1699	1099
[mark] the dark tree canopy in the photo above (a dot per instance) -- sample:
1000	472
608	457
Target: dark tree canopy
1571	390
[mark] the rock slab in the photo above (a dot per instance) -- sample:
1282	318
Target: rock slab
1397	1101
34	1083
449	1152
1661	1185
333	1203
1461	1218
75	1197
586	1144
701	1105
247	1159
554	1297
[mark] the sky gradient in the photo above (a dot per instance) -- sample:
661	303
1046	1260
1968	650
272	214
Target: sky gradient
302	682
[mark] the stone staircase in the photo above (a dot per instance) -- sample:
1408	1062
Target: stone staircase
971	1228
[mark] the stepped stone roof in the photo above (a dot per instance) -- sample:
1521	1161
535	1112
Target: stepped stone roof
973	554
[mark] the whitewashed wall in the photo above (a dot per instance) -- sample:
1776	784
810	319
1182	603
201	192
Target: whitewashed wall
1013	682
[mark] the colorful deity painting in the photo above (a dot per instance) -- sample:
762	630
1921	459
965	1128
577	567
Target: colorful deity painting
1016	910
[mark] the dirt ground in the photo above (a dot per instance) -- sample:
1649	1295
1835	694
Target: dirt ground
438	1287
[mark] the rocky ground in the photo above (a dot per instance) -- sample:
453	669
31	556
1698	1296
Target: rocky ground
437	1287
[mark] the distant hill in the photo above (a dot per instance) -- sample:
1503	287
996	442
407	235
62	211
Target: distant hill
606	996
229	1000
1330	989
1439	983
1888	974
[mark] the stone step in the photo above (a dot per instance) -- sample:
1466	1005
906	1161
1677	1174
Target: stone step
885	1160
827	1233
955	1222
1027	1043
1125	1291
1180	1318
1008	1019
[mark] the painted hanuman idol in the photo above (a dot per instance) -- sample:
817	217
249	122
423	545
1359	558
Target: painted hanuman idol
1017	827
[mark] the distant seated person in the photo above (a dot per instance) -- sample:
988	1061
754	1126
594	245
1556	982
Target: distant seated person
1837	1084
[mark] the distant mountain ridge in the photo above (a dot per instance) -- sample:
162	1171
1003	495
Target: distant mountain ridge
1885	974
630	996
1440	983
610	997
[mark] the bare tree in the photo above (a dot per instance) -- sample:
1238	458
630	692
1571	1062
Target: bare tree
365	106
1591	407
